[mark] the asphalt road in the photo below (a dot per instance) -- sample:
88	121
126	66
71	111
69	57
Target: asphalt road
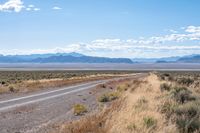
33	113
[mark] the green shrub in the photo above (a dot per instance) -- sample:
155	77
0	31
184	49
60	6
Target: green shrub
79	109
185	81
141	104
181	94
187	117
123	87
113	95
103	98
168	108
165	87
164	76
131	127
107	97
149	122
142	100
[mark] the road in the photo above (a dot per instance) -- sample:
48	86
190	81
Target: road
33	113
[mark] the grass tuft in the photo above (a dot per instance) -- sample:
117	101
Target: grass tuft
123	87
149	122
165	87
107	97
79	109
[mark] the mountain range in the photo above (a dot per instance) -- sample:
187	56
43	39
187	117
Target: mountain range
81	58
177	59
60	58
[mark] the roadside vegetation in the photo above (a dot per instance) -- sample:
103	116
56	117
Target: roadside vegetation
161	102
182	103
25	81
79	109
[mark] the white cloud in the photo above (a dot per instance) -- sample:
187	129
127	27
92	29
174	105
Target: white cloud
12	5
187	42
36	9
193	29
16	6
173	31
31	6
28	9
56	8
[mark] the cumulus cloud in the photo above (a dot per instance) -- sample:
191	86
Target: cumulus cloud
16	6
28	9
56	8
32	8
36	9
12	5
193	29
186	42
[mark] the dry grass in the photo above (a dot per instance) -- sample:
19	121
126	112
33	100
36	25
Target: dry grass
136	111
33	85
169	103
96	123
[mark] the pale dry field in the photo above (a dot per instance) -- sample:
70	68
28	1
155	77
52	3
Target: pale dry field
148	105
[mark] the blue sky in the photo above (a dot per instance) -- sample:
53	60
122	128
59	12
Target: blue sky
113	28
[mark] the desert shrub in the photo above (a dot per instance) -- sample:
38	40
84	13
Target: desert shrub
79	109
171	78
131	127
165	87
123	87
107	97
113	95
164	76
168	107
142	100
12	89
149	122
141	103
186	81
3	82
103	98
181	94
103	86
187	117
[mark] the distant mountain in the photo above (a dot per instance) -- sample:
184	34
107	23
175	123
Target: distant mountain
155	60
190	59
34	56
81	58
177	59
60	58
